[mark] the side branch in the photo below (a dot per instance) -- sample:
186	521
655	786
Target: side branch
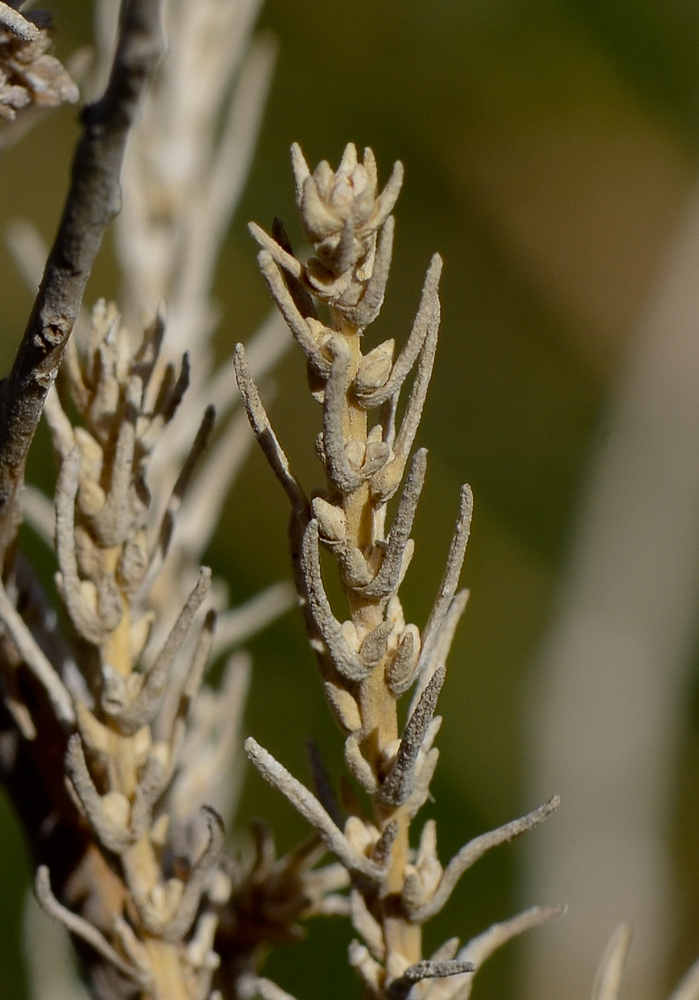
93	201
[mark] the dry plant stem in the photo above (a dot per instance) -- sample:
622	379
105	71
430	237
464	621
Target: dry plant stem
18	25
92	202
688	988
609	981
155	893
136	742
377	703
611	971
370	660
118	771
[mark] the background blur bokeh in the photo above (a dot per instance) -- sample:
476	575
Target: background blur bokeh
550	149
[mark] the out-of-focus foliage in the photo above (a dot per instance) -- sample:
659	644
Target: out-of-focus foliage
550	147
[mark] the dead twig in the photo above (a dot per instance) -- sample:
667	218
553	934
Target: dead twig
93	201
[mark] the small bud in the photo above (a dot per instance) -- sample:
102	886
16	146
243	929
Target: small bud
388	754
401	671
87	554
377	454
361	835
430	875
142	739
94	735
161	751
140	633
109	603
114	697
173	894
331	520
355	452
156	901
394	613
159	830
349	634
116	810
373	648
319	331
412	895
91	456
345	708
358	765
375	367
355	570
89	597
133	563
91	498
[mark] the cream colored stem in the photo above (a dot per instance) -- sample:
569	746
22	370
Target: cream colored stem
377	703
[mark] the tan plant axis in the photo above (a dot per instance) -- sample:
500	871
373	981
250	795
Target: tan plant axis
374	657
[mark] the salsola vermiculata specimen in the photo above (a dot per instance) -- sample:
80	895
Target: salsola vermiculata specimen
368	662
111	746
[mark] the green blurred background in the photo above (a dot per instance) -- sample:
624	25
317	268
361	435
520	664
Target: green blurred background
550	148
